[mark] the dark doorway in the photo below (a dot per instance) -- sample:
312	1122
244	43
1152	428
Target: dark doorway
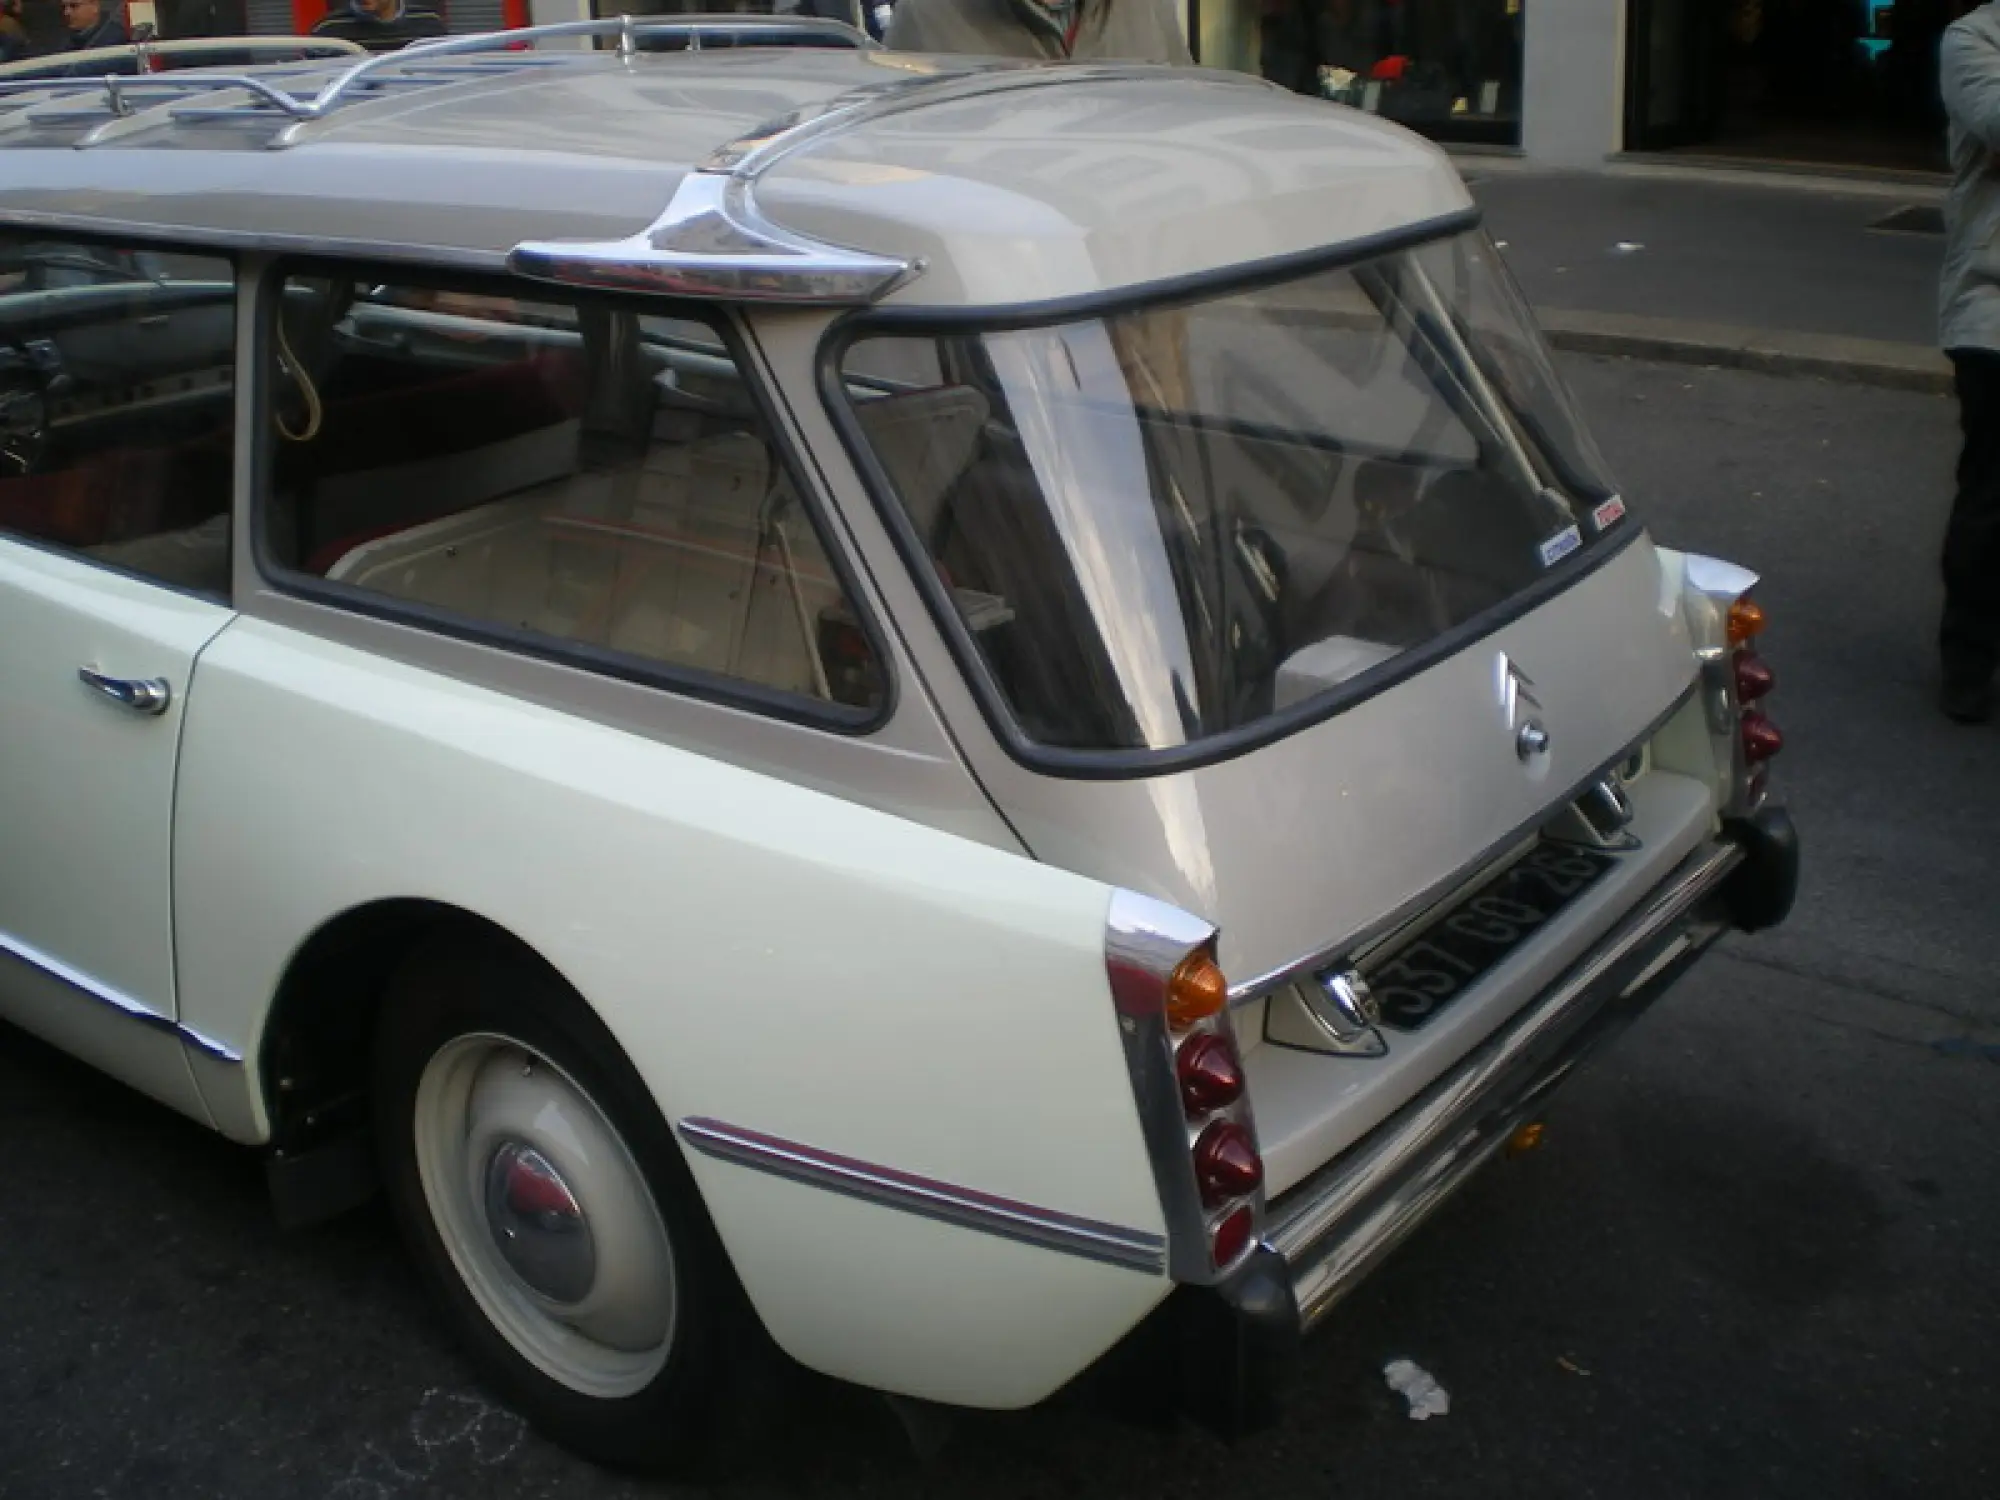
1830	82
1677	66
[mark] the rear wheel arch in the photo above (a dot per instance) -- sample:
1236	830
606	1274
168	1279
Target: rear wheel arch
479	1044
313	1058
317	1057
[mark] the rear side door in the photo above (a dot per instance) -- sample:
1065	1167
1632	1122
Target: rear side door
116	395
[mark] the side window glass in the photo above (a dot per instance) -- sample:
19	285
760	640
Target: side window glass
116	405
561	474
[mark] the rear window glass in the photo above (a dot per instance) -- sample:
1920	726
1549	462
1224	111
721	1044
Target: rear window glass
1171	524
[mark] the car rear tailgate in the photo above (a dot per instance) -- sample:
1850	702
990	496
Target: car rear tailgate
1310	1105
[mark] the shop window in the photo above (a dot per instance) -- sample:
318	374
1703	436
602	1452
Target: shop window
1448	68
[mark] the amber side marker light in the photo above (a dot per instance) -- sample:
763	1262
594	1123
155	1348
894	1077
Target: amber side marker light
1746	620
1196	991
1526	1138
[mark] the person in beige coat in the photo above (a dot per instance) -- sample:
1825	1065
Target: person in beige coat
1153	349
1096	30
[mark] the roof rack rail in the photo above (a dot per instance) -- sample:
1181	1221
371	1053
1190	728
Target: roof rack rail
114	87
713	242
60	67
775	31
420	63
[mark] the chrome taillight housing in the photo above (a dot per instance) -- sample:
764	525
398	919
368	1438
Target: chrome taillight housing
1189	1082
1726	622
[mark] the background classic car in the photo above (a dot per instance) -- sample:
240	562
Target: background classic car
780	686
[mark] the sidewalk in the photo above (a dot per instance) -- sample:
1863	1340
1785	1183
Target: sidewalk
1780	273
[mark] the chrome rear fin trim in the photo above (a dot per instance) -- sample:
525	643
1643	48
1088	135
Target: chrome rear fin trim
966	1208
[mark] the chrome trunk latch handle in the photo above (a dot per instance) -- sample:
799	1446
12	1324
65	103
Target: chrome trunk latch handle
144	695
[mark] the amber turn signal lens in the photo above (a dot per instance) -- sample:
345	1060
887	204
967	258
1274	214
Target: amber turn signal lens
1196	991
1746	619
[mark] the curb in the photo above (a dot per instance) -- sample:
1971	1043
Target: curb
1871	362
1476	164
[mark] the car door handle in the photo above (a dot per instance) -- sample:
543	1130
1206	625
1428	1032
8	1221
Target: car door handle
144	695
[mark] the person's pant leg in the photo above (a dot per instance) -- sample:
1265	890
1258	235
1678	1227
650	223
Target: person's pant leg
1970	635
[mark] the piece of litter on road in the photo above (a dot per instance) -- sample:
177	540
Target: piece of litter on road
1627	247
1414	1384
1571	1365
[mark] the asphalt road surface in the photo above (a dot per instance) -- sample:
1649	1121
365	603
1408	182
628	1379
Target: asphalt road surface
1755	1256
1740	252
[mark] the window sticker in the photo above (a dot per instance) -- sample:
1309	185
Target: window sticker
1559	546
1608	514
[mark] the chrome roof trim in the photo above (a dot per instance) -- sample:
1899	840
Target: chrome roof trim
714	242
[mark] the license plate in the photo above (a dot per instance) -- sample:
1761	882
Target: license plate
1452	954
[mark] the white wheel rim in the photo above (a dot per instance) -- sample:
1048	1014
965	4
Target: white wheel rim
545	1215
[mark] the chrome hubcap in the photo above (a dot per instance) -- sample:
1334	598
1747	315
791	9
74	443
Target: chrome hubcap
537	1226
545	1215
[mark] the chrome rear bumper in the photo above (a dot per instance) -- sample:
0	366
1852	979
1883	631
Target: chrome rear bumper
1332	1228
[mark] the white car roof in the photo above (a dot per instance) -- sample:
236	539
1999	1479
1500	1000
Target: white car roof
967	184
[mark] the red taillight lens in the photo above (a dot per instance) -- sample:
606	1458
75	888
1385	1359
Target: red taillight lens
1754	679
1761	739
1231	1238
1226	1164
1211	1078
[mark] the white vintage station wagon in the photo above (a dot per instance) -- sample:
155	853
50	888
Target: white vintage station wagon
983	715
